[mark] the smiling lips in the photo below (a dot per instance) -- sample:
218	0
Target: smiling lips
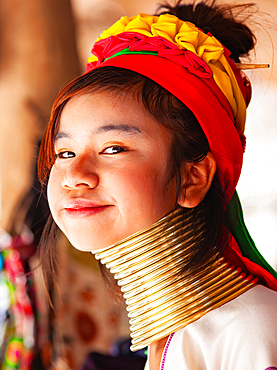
80	208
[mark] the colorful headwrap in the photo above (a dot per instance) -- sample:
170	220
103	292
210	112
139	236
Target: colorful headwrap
196	68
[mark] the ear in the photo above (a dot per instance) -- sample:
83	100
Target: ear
196	179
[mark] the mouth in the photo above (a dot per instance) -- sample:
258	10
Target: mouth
83	208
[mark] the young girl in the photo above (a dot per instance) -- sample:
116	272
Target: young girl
141	157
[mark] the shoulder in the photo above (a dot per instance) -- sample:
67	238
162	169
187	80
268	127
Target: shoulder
241	334
256	306
254	309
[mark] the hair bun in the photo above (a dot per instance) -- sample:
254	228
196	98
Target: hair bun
222	21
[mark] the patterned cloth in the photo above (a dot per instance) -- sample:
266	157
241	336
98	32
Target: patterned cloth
17	336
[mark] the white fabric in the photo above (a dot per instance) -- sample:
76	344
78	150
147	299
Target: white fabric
239	335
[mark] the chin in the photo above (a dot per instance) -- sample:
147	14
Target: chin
87	245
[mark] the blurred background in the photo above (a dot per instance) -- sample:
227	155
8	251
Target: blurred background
43	45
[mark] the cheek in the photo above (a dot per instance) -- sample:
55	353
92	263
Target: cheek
145	186
136	180
53	191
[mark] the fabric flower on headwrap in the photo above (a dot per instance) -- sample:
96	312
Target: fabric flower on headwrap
173	38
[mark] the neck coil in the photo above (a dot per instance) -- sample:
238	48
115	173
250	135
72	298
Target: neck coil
161	298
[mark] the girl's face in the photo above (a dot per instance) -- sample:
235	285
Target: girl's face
110	176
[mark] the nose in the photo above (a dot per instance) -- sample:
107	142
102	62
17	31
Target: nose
80	174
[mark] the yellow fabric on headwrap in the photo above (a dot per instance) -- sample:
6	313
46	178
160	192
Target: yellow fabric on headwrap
186	35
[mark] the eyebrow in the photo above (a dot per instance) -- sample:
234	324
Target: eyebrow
61	135
120	128
99	130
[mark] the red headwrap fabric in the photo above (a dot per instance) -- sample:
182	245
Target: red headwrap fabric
192	83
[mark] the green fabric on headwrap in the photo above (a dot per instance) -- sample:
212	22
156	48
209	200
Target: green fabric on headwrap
127	51
242	236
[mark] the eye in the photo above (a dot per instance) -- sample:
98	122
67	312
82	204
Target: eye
65	155
115	149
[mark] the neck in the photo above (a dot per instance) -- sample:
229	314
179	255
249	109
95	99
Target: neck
161	298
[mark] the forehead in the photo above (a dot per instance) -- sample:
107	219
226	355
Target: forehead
103	112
